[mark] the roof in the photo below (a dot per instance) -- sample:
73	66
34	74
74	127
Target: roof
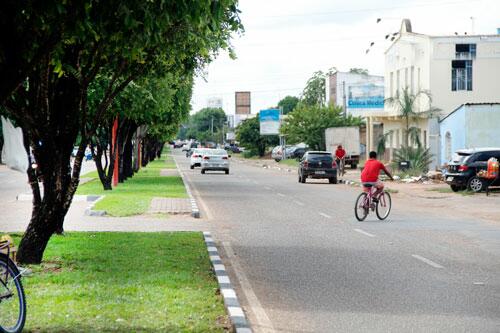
467	104
477	150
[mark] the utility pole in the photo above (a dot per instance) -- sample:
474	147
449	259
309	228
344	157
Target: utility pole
344	104
212	127
282	137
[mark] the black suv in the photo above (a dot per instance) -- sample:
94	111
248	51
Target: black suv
464	166
318	164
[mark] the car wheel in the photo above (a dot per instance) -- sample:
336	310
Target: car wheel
202	171
227	171
302	179
192	167
277	160
475	184
456	188
354	166
333	180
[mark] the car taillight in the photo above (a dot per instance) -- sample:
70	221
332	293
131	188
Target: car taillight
195	156
206	158
224	157
463	168
306	164
334	165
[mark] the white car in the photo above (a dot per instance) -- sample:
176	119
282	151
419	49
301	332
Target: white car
196	157
215	160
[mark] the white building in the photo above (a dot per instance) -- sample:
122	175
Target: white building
361	94
454	69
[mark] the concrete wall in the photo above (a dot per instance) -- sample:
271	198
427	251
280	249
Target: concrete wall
471	126
455	126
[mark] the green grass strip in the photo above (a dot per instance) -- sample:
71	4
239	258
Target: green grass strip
124	282
133	197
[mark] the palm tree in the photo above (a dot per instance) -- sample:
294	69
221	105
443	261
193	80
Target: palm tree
406	103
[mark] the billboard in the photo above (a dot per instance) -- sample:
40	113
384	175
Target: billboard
242	102
368	96
269	122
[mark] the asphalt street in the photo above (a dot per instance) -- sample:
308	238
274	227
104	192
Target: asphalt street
302	263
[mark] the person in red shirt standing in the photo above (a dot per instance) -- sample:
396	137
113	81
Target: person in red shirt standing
370	174
340	158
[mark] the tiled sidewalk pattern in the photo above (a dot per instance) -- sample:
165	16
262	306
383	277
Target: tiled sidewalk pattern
170	206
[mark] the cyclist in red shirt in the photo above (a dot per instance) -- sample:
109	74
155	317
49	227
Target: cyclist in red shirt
370	174
340	158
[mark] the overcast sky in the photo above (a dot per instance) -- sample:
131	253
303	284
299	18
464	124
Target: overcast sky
285	41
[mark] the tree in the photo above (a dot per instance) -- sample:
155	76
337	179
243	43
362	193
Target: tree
248	135
122	40
288	104
205	124
406	104
315	91
308	123
358	71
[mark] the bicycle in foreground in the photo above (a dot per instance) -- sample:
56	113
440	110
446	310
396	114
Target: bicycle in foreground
365	202
12	298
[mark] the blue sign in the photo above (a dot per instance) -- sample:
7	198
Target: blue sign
269	121
368	96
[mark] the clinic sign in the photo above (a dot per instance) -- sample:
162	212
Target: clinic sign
369	96
269	122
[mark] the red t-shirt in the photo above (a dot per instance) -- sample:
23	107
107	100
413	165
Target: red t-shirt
371	171
340	153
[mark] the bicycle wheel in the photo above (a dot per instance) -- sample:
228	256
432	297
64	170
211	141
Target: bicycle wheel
12	298
384	205
361	207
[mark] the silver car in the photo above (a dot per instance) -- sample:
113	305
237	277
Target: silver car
196	157
216	160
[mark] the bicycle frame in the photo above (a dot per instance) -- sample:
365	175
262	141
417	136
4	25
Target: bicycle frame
369	198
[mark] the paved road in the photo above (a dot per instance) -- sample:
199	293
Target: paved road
303	264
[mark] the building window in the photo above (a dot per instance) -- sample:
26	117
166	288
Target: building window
391	86
447	145
406	78
461	75
412	80
465	51
397	82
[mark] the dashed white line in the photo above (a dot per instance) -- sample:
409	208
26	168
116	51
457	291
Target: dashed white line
427	261
364	233
298	203
281	194
325	215
267	188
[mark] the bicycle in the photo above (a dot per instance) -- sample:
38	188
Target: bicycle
341	166
12	297
365	202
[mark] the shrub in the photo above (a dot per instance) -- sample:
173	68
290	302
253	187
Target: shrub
250	153
419	158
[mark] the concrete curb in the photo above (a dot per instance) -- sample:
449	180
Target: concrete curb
195	211
89	211
233	308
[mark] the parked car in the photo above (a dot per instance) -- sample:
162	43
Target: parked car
215	160
277	152
318	164
196	157
296	152
178	144
462	170
233	148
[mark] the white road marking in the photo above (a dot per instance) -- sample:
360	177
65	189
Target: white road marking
298	203
281	194
325	215
478	283
263	322
267	188
364	233
427	261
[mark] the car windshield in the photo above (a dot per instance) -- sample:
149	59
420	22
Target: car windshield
460	157
217	152
319	157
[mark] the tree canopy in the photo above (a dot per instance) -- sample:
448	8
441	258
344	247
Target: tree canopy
206	124
248	135
288	104
308	123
